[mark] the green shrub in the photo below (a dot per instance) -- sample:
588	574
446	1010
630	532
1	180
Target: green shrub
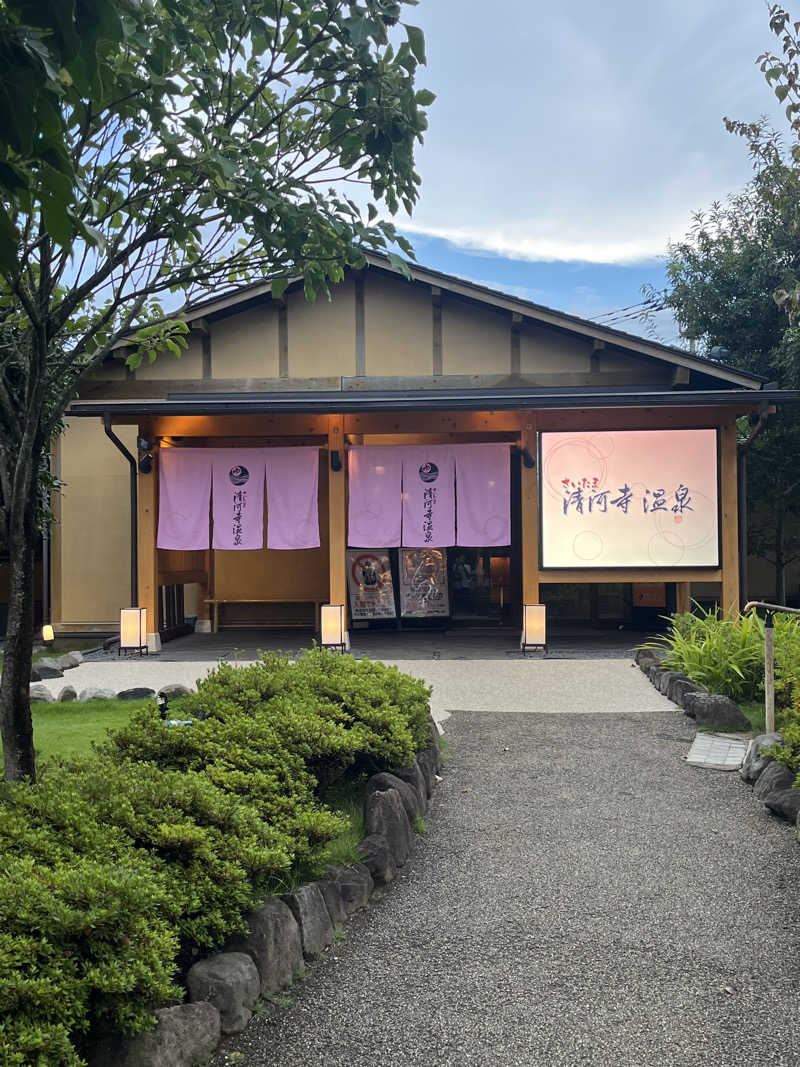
83	935
724	655
165	837
727	655
295	723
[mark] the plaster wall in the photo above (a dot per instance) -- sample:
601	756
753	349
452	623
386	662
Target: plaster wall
245	345
398	321
188	365
322	334
91	544
475	340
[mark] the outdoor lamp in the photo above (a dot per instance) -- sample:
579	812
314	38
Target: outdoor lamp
336	460
533	627
133	629
527	459
145	463
48	635
332	626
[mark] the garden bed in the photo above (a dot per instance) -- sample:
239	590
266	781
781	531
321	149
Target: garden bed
124	867
714	669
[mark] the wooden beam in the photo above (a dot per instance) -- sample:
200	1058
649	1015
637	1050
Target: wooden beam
529	513
680	376
729	594
433	422
516	352
238	426
148	554
438	352
181	577
337	519
631	574
283	339
361	330
648	418
683	597
594	359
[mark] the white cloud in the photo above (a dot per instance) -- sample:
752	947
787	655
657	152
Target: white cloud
588	132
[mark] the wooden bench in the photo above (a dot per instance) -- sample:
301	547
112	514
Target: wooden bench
216	601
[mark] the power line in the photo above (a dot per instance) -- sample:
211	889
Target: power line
619	311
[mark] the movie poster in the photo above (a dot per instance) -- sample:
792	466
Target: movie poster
423	582
369	579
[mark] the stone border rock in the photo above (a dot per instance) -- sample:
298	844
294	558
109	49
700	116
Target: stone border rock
42	695
773	784
283	932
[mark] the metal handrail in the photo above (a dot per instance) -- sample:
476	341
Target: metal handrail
780	608
769	655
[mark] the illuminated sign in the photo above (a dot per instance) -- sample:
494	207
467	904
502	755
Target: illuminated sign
629	498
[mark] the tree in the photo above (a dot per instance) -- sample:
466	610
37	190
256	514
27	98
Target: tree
51	52
218	148
722	285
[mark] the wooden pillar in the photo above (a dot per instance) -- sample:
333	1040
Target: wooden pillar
529	513
683	597
729	592
337	513
148	554
203	625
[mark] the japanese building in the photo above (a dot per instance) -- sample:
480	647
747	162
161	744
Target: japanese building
298	455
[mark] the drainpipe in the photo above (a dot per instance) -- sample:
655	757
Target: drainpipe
744	448
134	509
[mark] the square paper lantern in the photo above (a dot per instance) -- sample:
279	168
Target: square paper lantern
332	626
133	629
533	627
48	634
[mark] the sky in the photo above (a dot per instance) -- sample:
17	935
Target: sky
569	144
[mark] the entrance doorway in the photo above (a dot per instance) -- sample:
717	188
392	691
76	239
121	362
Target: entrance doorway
480	585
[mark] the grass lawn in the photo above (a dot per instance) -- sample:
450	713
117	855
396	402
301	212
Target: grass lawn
69	729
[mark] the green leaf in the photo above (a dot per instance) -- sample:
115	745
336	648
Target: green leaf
416	40
278	287
424	97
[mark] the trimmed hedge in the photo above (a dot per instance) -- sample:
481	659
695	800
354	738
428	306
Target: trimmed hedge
116	865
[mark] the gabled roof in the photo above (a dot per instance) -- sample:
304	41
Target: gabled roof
481	294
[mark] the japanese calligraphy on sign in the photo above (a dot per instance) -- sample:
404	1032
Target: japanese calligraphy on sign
629	498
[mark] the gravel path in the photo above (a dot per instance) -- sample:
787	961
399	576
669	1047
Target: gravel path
582	896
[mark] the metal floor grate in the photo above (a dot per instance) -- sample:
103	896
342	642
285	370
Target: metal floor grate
717	752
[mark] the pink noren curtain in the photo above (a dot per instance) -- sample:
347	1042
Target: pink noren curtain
375	508
292	498
238	502
429	514
483	480
184	495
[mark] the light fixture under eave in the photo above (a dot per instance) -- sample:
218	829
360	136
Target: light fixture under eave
527	459
133	630
333	634
534	633
336	460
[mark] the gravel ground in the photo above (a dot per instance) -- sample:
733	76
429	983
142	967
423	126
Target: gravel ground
582	896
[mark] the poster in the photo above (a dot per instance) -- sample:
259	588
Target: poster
629	498
423	582
369	579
